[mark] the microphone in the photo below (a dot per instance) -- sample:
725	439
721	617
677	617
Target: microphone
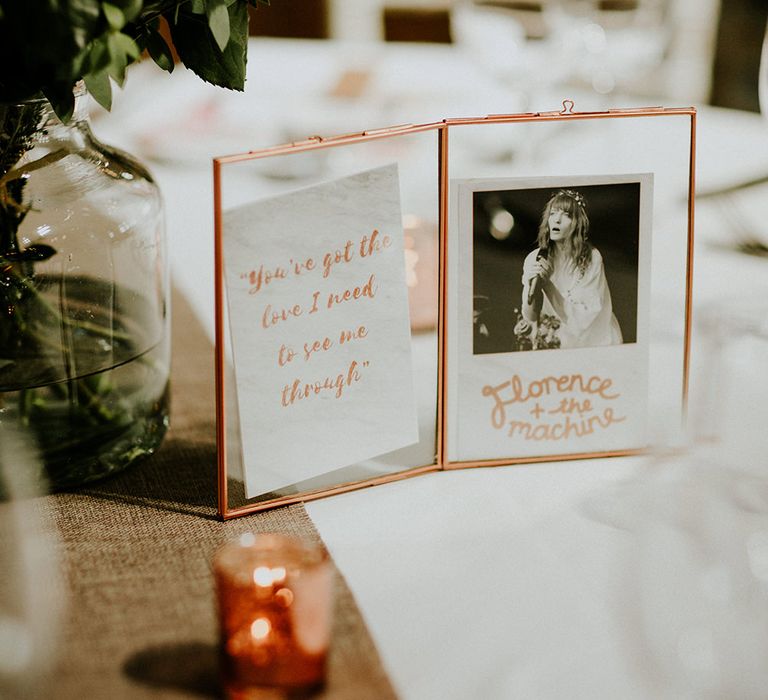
535	284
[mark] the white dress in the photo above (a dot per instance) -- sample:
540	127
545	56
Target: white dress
586	312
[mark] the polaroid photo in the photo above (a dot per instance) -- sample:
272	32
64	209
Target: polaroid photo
548	317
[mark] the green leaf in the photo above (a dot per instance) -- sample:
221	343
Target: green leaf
35	252
218	21
128	46
197	7
84	15
99	86
114	15
159	50
131	8
198	49
117	60
97	56
122	52
62	99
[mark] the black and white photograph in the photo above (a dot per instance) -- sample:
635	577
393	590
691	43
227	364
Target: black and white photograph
550	314
555	267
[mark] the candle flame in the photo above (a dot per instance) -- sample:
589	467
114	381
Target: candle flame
262	576
260	628
265	576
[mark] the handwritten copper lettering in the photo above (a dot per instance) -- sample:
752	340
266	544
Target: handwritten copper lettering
516	391
299	267
262	277
271	318
336	257
368	289
348	335
285	355
564	430
316	346
300	390
373	244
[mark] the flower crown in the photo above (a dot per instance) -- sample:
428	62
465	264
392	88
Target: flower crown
575	196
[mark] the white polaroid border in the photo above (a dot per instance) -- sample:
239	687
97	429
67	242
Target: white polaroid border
521	405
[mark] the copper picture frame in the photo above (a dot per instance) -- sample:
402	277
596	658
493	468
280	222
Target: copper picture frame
445	139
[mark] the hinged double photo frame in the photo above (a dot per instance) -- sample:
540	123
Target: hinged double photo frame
472	292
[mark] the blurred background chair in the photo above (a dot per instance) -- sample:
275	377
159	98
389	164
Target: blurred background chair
409	23
294	19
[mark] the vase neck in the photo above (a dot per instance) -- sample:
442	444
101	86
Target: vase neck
38	113
31	129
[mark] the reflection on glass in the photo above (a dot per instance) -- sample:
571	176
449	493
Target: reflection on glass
30	597
608	44
421	272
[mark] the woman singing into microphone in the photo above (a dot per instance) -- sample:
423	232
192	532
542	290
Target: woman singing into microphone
564	277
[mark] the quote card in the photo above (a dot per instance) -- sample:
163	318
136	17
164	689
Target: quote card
318	310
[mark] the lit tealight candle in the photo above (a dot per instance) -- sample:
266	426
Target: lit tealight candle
274	595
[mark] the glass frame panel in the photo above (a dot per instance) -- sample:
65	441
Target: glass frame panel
445	168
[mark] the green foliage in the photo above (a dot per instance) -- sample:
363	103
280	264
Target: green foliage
47	46
199	49
158	48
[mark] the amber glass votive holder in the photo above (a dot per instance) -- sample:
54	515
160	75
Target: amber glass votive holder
275	607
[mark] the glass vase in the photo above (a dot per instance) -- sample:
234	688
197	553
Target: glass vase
84	335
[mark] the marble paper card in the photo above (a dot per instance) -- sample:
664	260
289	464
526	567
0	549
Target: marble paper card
318	311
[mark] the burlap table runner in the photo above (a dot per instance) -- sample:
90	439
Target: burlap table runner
137	553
